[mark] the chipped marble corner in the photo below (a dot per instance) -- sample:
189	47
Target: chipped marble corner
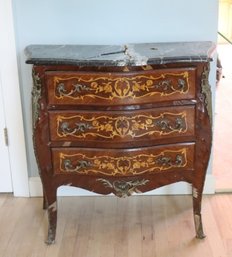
135	57
198	225
53	207
126	69
147	67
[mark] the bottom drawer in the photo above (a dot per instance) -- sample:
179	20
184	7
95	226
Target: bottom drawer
123	162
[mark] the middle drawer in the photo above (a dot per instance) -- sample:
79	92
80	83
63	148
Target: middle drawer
121	126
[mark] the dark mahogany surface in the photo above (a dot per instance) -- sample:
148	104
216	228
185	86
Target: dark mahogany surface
71	159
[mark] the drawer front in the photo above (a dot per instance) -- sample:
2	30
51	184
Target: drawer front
123	162
86	88
122	126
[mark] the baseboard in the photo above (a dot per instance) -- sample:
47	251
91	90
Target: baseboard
180	188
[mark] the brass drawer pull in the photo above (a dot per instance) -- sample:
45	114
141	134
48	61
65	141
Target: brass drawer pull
81	164
79	127
77	88
169	162
181	84
168	86
166	125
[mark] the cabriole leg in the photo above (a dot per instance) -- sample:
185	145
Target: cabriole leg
197	196
52	217
198	226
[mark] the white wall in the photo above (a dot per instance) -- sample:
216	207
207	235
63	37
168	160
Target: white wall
105	22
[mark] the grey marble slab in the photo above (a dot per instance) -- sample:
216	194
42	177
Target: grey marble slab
120	55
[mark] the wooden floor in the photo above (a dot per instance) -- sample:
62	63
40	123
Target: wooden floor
139	226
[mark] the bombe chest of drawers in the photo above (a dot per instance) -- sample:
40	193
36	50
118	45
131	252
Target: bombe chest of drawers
121	119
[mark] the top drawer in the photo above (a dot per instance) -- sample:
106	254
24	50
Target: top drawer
119	88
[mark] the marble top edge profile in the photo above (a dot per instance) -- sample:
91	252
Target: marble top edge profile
120	55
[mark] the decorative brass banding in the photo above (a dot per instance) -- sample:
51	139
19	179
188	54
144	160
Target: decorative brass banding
122	165
122	188
109	88
109	127
36	96
206	90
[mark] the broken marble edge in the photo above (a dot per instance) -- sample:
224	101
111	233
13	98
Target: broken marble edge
123	55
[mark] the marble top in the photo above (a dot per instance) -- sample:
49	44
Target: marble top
120	55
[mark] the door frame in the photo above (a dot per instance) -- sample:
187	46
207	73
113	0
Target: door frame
5	172
12	101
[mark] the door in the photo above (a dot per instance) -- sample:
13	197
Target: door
5	172
11	110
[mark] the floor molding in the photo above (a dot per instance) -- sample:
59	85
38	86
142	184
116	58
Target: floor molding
180	188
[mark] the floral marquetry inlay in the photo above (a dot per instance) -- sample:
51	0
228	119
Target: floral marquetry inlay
120	87
122	165
110	127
